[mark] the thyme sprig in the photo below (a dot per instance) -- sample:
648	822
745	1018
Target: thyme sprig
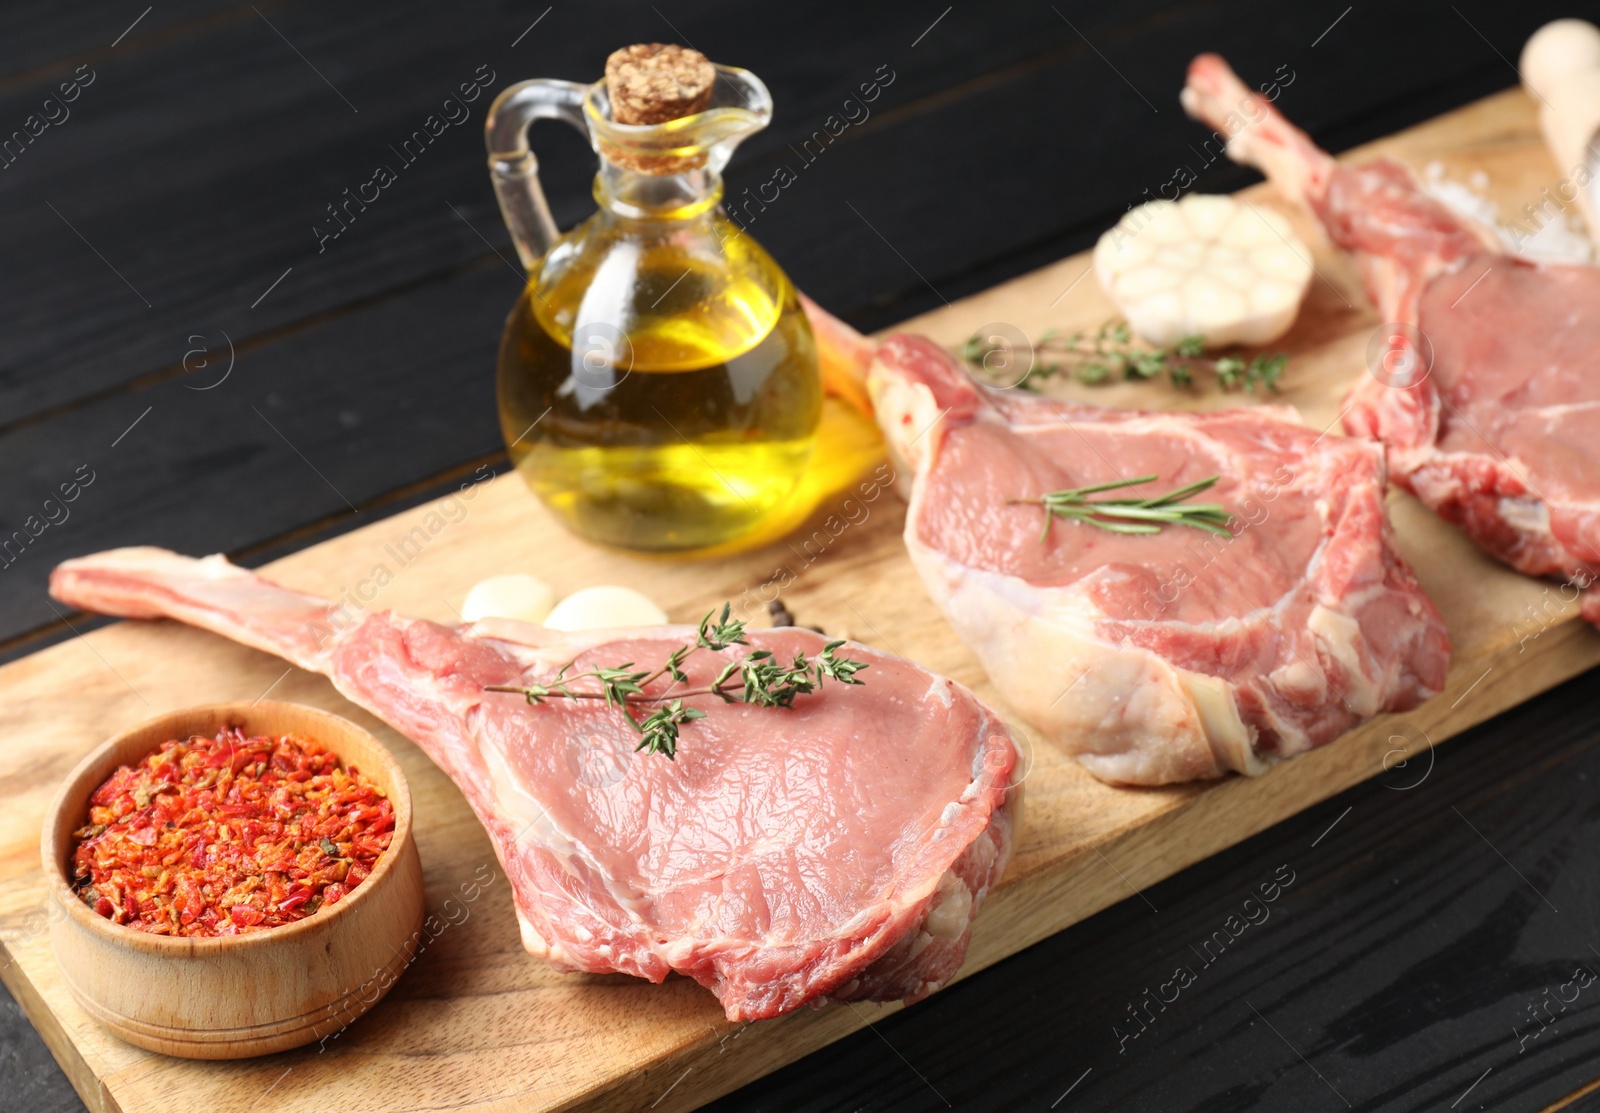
1110	353
757	678
1133	515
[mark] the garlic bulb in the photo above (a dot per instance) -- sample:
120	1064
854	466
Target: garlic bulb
1213	267
516	595
600	608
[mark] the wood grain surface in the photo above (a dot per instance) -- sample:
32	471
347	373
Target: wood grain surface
475	1023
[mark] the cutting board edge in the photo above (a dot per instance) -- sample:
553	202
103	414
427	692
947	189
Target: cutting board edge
94	1093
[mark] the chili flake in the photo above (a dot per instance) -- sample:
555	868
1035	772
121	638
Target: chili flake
227	835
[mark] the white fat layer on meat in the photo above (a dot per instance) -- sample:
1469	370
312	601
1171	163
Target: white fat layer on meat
909	410
980	755
1525	515
525	814
1039	647
535	944
1562	409
952	910
1230	739
1340	637
1153	423
1338	634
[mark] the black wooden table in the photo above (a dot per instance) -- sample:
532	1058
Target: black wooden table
178	322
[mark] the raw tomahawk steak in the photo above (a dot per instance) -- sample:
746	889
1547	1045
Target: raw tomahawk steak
838	849
1485	387
1171	656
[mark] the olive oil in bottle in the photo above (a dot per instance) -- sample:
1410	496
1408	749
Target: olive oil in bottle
681	413
658	379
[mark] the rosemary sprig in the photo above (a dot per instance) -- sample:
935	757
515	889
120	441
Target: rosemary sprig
757	678
1133	515
1110	353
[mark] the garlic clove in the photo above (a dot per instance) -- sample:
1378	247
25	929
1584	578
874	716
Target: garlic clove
1213	306
1146	281
1206	215
604	607
516	595
1153	317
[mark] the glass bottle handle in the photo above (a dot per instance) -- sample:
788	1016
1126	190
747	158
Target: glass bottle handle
513	167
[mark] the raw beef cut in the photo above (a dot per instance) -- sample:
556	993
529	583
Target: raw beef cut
1484	384
837	849
1170	656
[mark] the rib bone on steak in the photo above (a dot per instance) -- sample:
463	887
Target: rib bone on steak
838	849
1171	656
1488	399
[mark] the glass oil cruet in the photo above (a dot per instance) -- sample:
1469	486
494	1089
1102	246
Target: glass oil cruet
658	380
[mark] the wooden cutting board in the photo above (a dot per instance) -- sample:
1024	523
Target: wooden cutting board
476	1023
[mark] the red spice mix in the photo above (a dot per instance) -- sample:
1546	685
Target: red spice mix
227	835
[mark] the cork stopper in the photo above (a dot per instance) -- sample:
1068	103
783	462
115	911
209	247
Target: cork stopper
651	83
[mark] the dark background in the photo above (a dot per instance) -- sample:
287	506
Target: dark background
140	239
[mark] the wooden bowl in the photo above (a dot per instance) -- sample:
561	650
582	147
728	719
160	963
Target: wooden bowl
229	997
